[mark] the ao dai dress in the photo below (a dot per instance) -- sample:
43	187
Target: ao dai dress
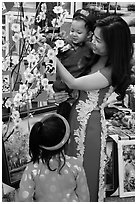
88	136
39	184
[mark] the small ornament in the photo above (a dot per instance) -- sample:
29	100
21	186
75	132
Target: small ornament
6	84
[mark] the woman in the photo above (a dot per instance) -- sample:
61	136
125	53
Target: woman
110	72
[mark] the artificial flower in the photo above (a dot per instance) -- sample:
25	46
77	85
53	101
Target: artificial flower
28	76
44	82
18	97
15	114
32	40
44	7
59	43
30	58
11	18
42	15
16	37
8	103
58	9
27	33
41	50
23	88
15	59
15	27
51	54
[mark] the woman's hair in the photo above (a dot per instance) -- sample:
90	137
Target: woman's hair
48	138
117	36
87	16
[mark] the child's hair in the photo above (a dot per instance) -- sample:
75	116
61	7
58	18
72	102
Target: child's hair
48	138
87	16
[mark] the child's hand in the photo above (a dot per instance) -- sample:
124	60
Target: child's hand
61	97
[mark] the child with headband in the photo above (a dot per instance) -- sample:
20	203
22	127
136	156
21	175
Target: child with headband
77	59
52	176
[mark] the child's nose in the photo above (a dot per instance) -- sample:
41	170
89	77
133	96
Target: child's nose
74	34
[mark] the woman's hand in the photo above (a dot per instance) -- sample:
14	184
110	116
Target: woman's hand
60	97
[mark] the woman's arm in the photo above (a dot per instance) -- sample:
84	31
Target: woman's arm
87	83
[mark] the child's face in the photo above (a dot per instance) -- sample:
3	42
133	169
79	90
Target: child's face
78	31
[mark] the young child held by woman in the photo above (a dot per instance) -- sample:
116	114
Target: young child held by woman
52	176
79	55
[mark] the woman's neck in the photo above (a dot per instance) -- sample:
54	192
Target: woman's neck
102	60
100	64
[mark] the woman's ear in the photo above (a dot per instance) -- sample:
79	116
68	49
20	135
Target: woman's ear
89	37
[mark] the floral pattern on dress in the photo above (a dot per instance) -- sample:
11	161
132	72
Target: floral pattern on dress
102	189
84	110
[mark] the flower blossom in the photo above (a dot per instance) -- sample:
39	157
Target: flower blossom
58	9
11	18
42	15
15	27
28	76
66	47
18	97
44	82
32	40
31	57
17	121
16	37
27	33
55	22
51	54
46	60
41	51
44	7
15	114
59	43
28	20
23	88
8	103
15	59
6	64
5	46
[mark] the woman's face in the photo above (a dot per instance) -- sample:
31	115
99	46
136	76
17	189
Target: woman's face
98	44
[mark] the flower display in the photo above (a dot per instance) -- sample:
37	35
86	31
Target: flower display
38	59
36	53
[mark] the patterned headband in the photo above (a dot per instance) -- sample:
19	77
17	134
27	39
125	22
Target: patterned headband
66	136
83	14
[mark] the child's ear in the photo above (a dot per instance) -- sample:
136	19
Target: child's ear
89	35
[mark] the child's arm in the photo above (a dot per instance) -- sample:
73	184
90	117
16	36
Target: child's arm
81	191
26	190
